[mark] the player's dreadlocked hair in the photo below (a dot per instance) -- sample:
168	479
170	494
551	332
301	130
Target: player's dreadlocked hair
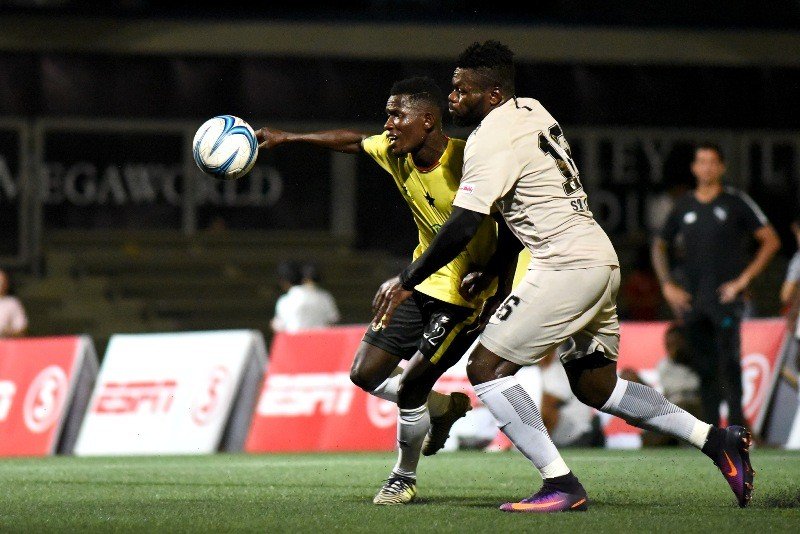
493	60
420	88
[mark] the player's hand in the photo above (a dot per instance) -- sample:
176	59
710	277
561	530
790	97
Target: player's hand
473	284
387	300
730	290
269	137
383	292
678	299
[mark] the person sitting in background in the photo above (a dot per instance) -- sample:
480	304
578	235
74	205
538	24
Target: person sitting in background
680	384
13	320
311	280
302	306
569	422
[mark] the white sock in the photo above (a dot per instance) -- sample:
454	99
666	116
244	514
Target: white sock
520	420
388	389
438	403
646	408
412	425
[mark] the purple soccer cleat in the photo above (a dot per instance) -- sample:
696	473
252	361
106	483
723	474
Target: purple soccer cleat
549	500
733	460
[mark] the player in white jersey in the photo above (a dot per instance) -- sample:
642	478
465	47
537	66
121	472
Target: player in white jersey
518	161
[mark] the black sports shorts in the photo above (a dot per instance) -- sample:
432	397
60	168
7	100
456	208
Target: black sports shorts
435	328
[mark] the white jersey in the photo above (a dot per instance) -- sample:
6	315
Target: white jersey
303	308
518	159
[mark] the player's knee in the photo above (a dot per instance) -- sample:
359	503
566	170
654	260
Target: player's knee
591	397
363	379
477	373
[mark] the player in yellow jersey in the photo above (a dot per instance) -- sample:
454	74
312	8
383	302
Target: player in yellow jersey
434	328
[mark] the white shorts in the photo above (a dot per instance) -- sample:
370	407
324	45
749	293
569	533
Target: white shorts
549	307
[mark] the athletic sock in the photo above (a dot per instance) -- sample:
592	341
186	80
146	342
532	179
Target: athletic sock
644	407
520	420
412	425
438	403
713	443
567	483
387	390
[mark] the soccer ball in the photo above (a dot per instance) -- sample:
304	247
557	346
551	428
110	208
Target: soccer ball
225	147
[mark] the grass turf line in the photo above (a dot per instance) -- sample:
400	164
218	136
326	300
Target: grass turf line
676	490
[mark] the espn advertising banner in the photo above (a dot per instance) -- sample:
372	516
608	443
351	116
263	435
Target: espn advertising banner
177	393
44	389
308	402
642	347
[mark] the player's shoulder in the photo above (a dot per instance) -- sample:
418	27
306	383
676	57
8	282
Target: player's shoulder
684	202
377	145
745	201
735	194
376	141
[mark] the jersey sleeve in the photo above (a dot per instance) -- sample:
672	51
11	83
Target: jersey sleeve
377	147
753	217
489	173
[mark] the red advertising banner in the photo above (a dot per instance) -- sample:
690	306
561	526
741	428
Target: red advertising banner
642	348
308	402
36	386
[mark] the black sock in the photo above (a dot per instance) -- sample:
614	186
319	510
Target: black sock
566	483
713	442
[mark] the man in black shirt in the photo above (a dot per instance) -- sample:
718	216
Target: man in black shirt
714	223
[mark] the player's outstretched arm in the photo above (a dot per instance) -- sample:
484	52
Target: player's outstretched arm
347	141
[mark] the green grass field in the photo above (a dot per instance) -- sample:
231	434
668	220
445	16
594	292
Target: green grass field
676	490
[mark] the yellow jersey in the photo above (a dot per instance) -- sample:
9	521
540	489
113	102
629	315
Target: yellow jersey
430	193
523	262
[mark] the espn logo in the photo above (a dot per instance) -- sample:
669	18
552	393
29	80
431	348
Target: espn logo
7	391
303	395
134	397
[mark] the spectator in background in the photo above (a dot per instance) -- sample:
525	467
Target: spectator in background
302	306
640	291
13	320
715	222
790	292
679	383
311	280
569	422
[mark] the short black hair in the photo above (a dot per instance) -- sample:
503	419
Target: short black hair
709	145
310	272
420	88
290	272
493	60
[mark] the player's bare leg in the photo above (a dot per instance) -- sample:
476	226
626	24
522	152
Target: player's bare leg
378	373
413	424
594	381
519	419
